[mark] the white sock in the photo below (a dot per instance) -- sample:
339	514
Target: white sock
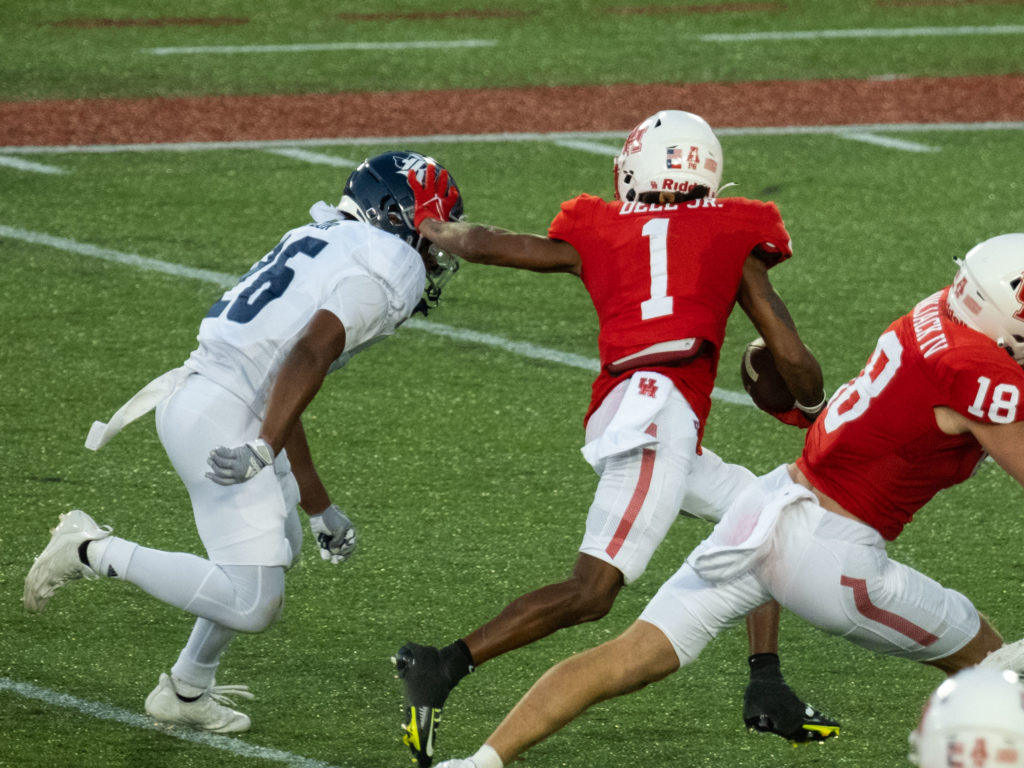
487	757
198	661
185	689
110	556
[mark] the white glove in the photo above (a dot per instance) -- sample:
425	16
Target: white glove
236	465
334	533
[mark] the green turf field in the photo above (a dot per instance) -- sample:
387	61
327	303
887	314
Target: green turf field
64	49
457	455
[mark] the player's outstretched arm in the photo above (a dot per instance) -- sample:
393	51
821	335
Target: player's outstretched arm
435	199
482	244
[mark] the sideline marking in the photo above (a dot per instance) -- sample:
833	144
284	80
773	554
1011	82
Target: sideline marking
595	147
224	280
313	157
498	138
100	711
306	47
822	34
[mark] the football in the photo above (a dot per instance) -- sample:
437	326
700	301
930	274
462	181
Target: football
762	381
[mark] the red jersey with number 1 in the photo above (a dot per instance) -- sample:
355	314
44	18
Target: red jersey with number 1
659	273
877	450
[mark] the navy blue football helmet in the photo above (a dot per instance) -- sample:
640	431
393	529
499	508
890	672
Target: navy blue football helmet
378	193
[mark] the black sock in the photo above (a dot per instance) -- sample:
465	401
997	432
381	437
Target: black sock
83	552
765	666
456	660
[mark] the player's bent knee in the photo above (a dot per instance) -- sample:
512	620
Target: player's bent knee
258	617
986	641
258	598
591	605
592	590
645	655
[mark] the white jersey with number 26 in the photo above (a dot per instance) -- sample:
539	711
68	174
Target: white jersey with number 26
369	279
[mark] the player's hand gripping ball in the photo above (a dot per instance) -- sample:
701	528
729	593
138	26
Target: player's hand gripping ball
762	381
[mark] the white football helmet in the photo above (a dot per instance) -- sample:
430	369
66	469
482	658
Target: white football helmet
672	150
988	291
975	718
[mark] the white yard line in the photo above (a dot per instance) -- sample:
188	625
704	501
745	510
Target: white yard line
831	34
102	711
317	158
28	165
887	142
310	47
594	147
575	137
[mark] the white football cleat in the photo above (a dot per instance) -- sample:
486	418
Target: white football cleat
466	762
208	713
59	563
1010	656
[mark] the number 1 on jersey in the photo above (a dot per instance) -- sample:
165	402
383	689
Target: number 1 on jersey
660	303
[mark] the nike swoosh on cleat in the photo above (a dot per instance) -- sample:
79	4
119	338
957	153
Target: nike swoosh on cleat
429	747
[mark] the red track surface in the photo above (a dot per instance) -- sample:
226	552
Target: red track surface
583	108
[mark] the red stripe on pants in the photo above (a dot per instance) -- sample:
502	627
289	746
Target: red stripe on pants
889	619
643	485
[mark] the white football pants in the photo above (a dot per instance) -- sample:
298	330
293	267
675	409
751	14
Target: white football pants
832	571
642	442
251	531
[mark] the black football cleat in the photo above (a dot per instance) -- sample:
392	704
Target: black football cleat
772	707
426	689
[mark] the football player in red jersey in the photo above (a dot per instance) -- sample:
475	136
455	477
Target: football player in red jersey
942	390
665	263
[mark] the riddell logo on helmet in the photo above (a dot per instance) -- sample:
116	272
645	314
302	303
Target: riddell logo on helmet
673	185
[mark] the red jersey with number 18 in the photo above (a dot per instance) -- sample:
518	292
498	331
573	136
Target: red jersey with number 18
877	450
664	273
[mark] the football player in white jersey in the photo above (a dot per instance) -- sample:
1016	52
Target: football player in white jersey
230	422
